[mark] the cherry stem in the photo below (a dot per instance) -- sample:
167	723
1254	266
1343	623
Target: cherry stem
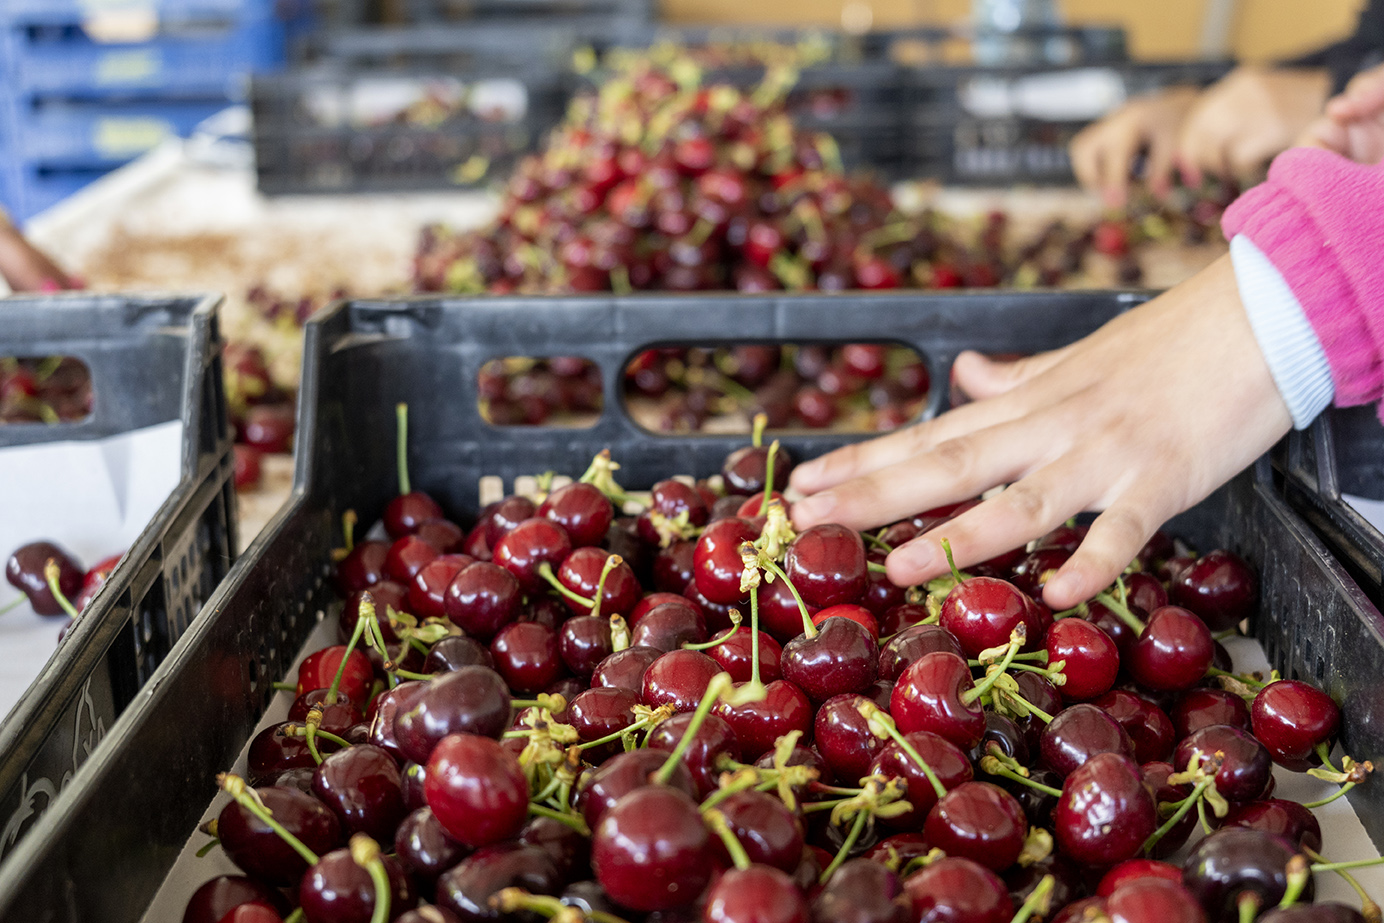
993	676
808	628
13	604
1368	908
1247	680
744	780
734	848
754	640
571	820
301	730
846	846
409	674
1028	706
284	687
374	637
367	611
991	765
951	561
761	421
1338	866
769	476
365	852
1330	798
719	685
876	567
311	725
348	529
1018	664
611	562
1037	901
297	916
512	900
51	573
622	733
545	570
876	718
708	645
1121	611
1184	806
878	542
244	796
1247	906
1323	751
401	415
1297	875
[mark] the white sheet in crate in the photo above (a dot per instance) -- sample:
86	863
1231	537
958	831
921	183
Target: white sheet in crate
92	498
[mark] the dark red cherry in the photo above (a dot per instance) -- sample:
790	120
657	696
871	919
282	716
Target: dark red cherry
901	617
980	822
362	785
649	601
745	469
254	846
580	572
1032	573
759	725
930	696
672	500
1132	870
1219	587
911	643
466	889
1077	734
675	566
678	678
427	593
569	850
583	642
25	571
843	736
482	599
1068	880
651	850
826	563
528	546
716	560
1005	733
362	568
599	712
1288	819
277	748
945	759
670	626
1245	764
858	614
625	669
713	742
861	891
1199	708
1236	860
407	556
1156	777
1291	718
526	655
1082	911
337	717
1146	724
982	613
600	789
758	894
771	834
734	655
455	652
1153	900
582	510
476	789
881	594
1105	813
779	613
406	512
424	849
384	596
443	534
1144	593
1174	651
842	658
1090	660
472	700
218	898
958	889
502	518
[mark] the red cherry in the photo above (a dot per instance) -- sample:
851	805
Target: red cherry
1136	870
319	668
759	725
758	894
582	511
406	512
929	696
1078	733
1174	651
958	889
982	613
858	614
525	548
1090	659
1291	718
717	563
1153	900
476	789
826	564
1147	725
980	822
1199	708
652	851
1219	587
1105	813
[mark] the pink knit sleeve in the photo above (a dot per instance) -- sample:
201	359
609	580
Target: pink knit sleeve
1320	220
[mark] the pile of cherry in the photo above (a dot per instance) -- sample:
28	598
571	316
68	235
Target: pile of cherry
261	413
53	580
594	705
52	389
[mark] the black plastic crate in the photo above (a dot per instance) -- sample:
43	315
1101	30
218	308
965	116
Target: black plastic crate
152	359
137	802
350	13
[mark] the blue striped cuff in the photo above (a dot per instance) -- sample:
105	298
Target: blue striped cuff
1291	348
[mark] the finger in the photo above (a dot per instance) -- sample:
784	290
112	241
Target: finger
1158	169
1085	155
1244	157
1114	540
1025	510
1115	167
954	470
981	377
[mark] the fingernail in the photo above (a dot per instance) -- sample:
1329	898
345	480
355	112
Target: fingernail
917	557
814	509
1058	588
48	286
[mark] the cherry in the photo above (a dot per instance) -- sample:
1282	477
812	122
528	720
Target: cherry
943	757
216	900
526	655
670	626
581	573
407	556
587	896
911	643
504	516
582	510
746	469
362	785
583	642
406	512
1132	870
881	595
569	849
443	534
25	572
649	601
600	789
1150	729
672	500
319	669
362	568
1079	733
841	658
1291	719
826	563
1038	805
1288	819
601	711
466	889
1090	660
472	700
94	580
1067	880
757	894
651	850
424	849
625	669
770	833
476	789
1032	573
980	822
482	599
733	654
678	678
453	653
858	614
1008	736
385	707
930	696
1236	860
525	549
1219	587
385	595
269	428
259	851
427	592
1153	900
759	725
861	891
711	743
1199	708
674	566
1082	911
844	738
1245	768
779	613
1105	813
958	889
982	613
336	717
1156	779
717	563
1174	651
1144	593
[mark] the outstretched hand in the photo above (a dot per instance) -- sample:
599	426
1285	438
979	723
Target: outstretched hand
1353	124
1142	419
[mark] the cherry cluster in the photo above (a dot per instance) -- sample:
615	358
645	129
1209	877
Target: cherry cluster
261	413
600	705
52	389
54	581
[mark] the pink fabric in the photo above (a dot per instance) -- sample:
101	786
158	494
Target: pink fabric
1320	220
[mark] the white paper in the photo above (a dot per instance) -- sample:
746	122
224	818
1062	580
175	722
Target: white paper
93	498
1372	510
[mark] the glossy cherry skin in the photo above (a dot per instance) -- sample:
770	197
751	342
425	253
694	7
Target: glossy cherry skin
427	592
1032	573
982	613
858	614
600	789
384	708
1174	651
1144	592
569	850
601	711
1006	733
1156	776
1199	708
337	717
911	643
424	849
1290	718
1219	587
958	889
652	850
678	678
1288	819
526	655
362	568
713	741
580	572
1323	912
716	560
24	570
625	669
861	891
1105	813
257	849
319	669
843	736
758	894
476	789
1153	900
771	834
952	767
483	598
779	613
1079	733
735	655
453	653
273	750
826	563
582	510
363	786
649	601
501	518
407	556
1245	767
1234	860
1135	870
528	546
746	469
1090	659
466	889
472	700
898	618
216	900
670	626
94	579
675	566
842	658
758	725
406	512
929	697
1146	724
980	822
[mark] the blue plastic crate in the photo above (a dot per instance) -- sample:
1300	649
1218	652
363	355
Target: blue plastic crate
165	11
26	190
91	136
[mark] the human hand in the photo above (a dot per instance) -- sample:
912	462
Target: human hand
1141	419
1103	153
1245	119
1353	124
26	268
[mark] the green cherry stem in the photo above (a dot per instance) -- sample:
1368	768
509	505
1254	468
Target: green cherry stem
757	427
1016	641
366	853
878	721
401	447
769	475
367	613
245	796
734	627
348	529
14	603
311	726
1027	706
957	575
545	570
991	765
1121	612
51	574
808	628
734	848
297	916
1184	806
1368	908
611	562
720	684
876	568
1038	900
857	827
571	820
